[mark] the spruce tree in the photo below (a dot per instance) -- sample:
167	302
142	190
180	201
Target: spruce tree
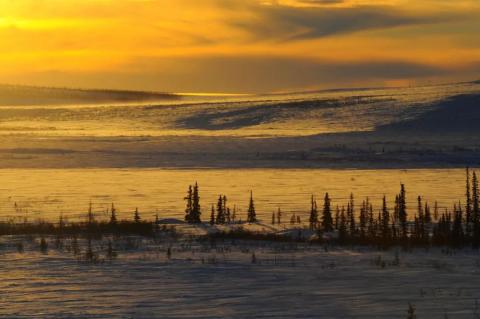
90	215
371	227
394	232
157	223
475	211
293	219
421	219
136	216
252	215
337	217
212	216
428	214
378	225
61	223
402	211
351	216
342	227
468	205
196	211
385	220
234	213
189	205
396	210
113	215
220	213
415	234
457	229
279	216
313	214
226	211
363	219
435	211
327	221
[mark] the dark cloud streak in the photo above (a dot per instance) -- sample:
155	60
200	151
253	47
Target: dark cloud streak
236	74
286	23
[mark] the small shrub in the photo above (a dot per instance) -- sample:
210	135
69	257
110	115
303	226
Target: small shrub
20	248
43	246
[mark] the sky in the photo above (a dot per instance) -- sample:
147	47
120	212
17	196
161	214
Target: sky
238	46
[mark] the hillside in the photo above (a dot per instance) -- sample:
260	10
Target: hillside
431	126
13	95
457	114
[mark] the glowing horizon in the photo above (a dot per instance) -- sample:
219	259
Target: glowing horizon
237	46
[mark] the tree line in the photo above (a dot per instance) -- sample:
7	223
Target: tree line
352	223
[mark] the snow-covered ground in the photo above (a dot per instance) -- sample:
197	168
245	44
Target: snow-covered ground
234	279
376	128
431	126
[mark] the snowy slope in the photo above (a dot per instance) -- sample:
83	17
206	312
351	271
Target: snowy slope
314	129
15	95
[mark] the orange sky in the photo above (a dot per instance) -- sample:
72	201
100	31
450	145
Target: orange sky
237	45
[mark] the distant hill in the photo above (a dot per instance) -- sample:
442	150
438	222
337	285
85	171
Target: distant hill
16	95
457	114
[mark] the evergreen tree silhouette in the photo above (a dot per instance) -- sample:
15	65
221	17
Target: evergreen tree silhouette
475	211
157	223
90	215
428	214
226	211
402	211
342	227
220	212
435	211
385	221
196	210
279	216
371	225
113	215
457	229
363	218
252	215
313	220
327	221
468	204
212	216
396	210
337	217
351	216
421	219
136	216
234	213
189	205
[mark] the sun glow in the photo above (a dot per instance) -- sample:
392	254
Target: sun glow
170	45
